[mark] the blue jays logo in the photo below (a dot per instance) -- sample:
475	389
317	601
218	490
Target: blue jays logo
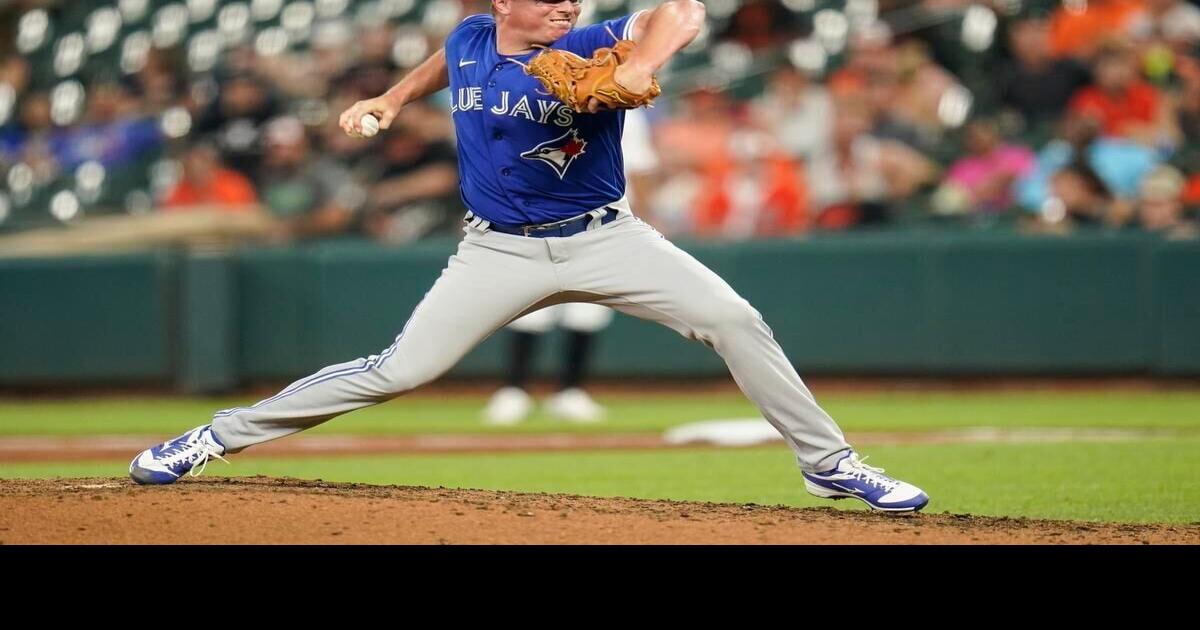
559	153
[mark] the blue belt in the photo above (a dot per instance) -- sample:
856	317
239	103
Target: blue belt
566	227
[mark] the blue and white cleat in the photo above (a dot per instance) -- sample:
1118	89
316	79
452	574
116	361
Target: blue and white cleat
852	478
170	460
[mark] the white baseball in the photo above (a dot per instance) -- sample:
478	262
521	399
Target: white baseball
370	125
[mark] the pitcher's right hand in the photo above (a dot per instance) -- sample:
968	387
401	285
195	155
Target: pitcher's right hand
383	108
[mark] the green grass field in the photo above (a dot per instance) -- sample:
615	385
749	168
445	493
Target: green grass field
1144	480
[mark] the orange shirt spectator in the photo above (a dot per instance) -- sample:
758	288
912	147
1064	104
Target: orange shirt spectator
228	188
1077	33
206	182
1139	104
760	196
785	204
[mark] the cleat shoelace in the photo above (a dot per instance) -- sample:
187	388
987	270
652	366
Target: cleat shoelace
871	475
196	453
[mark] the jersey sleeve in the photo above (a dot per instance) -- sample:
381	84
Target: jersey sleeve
584	41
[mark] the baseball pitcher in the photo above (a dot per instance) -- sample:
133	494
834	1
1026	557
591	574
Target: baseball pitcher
538	107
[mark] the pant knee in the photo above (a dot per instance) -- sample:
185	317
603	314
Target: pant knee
395	379
737	315
731	317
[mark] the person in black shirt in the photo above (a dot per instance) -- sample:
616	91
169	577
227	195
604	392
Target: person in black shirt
1033	83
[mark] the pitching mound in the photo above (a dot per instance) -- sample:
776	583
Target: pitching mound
263	510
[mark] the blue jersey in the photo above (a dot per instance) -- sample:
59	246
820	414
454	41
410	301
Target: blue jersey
524	157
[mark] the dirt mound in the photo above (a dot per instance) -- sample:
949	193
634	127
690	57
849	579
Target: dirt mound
262	510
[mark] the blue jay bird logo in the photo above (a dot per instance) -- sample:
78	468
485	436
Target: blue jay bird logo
560	152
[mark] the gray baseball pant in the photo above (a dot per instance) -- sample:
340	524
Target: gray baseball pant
495	278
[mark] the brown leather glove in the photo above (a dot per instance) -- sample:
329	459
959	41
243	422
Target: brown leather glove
574	79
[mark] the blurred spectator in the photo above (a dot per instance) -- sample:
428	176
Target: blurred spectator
759	24
1188	110
903	84
235	119
1174	22
672	201
706	173
416	190
1165	36
642	166
112	132
1079	27
796	111
14	71
870	58
1034	83
109	101
921	87
14	81
242	58
208	184
31	123
693	146
30	141
311	73
35	114
699	131
1161	208
313	198
115	143
1084	199
861	177
1123	103
358	155
1119	165
985	176
159	83
375	70
871	70
759	192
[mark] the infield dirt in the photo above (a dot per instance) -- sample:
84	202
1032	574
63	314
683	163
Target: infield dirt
259	510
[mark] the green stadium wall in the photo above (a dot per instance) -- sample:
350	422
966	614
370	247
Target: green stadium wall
883	303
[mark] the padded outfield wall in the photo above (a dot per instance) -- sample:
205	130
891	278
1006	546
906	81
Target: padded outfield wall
884	303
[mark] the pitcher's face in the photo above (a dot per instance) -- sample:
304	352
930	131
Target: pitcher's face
540	22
